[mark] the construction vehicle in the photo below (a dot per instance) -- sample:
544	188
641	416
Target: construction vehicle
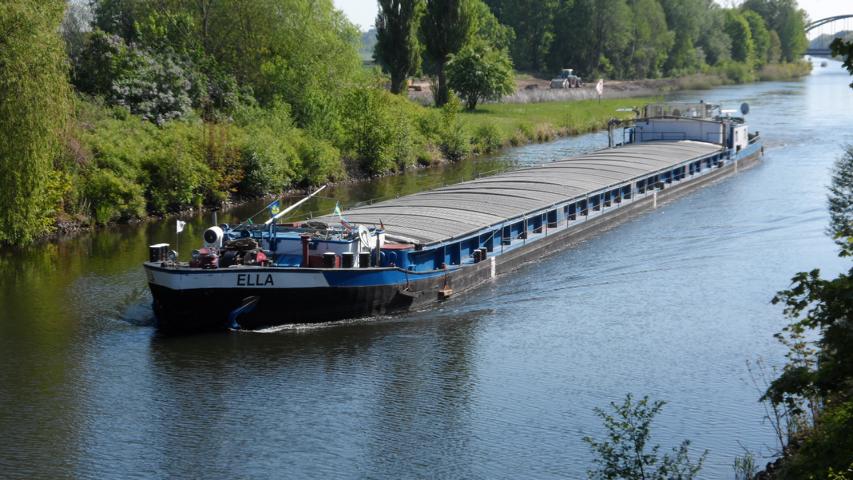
567	79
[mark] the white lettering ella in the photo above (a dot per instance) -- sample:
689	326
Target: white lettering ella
254	280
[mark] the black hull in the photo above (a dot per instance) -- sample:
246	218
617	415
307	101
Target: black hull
215	309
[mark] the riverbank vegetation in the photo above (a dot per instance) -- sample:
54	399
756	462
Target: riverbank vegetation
812	397
126	108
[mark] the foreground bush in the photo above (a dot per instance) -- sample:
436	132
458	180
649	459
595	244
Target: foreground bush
626	454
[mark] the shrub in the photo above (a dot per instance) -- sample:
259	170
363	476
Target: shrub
269	158
113	198
452	140
269	163
738	72
828	445
175	179
427	157
625	452
221	153
175	170
320	161
518	138
487	138
369	129
428	124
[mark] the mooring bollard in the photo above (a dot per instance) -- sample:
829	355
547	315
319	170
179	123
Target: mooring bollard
655	199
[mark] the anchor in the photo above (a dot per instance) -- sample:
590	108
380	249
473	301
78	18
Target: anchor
249	304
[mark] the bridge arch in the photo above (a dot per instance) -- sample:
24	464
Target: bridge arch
822	49
823	21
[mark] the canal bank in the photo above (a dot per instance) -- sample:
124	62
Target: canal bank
498	385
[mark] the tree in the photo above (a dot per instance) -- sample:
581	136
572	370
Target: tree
119	16
592	36
34	104
787	20
573	44
844	49
533	23
75	25
792	33
611	31
737	28
774	53
760	37
302	52
397	48
489	29
625	453
651	40
479	72
714	43
446	27
685	18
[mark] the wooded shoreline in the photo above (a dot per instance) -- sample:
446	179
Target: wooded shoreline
494	127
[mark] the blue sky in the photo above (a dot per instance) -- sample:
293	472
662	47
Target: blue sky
363	12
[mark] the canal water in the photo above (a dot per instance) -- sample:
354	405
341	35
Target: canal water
501	383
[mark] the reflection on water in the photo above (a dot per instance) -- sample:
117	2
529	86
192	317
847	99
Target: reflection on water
497	384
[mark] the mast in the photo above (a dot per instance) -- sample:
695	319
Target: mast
292	207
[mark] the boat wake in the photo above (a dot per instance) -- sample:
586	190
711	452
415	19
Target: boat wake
138	314
309	327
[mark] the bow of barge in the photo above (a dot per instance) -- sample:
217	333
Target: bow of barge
420	249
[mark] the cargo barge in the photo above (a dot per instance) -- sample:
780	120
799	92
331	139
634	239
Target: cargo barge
414	251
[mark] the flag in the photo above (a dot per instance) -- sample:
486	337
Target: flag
180	226
599	87
340	215
274	208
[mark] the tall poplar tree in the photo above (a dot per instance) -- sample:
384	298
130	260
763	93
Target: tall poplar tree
737	28
397	48
760	37
33	107
446	27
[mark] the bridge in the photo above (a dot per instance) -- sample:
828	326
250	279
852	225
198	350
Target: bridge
822	32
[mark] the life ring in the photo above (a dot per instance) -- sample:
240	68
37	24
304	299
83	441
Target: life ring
364	235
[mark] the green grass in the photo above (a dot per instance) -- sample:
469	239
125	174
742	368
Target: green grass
522	123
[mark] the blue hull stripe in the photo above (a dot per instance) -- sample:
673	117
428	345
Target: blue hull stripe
365	278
